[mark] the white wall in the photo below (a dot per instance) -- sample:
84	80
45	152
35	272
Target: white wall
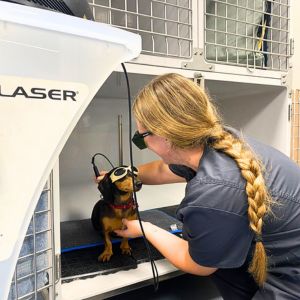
295	33
260	111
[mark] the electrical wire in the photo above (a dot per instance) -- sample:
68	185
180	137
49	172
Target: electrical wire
97	174
153	265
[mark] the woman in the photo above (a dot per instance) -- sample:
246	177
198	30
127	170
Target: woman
241	210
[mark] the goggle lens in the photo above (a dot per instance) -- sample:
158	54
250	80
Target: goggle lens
119	172
138	139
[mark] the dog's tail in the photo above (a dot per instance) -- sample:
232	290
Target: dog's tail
95	218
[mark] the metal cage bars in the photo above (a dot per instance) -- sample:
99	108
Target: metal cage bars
164	25
251	33
295	127
34	273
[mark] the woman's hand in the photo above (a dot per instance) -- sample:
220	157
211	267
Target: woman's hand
132	229
174	248
99	178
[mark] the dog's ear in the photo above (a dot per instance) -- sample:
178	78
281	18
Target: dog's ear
105	187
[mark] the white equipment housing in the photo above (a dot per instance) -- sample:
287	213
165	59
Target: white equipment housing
54	65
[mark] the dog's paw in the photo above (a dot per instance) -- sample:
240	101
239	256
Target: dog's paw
126	251
104	256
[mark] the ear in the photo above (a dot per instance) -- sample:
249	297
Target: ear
105	187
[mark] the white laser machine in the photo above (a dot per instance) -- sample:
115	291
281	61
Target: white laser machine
52	64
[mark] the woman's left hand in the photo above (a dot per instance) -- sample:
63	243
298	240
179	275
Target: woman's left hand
132	229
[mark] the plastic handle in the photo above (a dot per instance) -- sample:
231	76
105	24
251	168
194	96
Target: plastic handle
96	171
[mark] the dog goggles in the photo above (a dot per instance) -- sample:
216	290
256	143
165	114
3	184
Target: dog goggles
138	139
121	172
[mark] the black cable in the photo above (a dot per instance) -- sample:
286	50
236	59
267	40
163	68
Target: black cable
96	171
153	265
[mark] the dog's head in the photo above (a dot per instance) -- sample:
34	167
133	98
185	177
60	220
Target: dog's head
117	183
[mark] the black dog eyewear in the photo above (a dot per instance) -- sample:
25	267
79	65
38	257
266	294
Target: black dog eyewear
138	139
121	172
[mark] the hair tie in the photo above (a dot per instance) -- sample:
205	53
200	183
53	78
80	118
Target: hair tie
258	238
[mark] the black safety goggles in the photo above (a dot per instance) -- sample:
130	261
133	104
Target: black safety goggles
121	172
138	139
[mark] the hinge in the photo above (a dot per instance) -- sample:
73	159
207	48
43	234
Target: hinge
57	267
198	62
292	46
199	80
286	79
290	112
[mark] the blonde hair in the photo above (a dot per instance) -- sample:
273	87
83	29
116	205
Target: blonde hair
176	108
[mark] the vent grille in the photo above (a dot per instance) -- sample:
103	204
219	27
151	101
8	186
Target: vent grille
34	275
55	5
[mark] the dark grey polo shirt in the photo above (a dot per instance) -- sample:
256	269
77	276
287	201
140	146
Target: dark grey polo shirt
215	223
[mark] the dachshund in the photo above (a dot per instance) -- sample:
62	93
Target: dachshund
117	203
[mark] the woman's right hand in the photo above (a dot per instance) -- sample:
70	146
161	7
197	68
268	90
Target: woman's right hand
99	178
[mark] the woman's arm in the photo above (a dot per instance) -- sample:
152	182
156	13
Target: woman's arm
169	245
157	172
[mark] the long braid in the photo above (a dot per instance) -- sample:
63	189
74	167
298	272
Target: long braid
258	197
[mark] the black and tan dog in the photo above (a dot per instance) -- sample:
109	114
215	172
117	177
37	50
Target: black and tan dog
117	203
